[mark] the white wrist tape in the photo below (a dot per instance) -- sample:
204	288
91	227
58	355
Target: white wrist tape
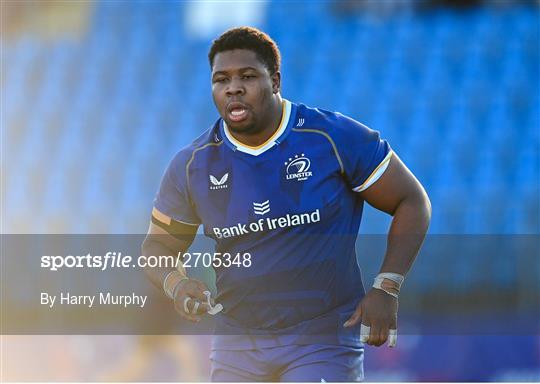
387	286
171	281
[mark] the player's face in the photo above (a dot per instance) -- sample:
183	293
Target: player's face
243	90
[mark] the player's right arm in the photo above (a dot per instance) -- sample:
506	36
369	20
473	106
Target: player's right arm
172	229
169	237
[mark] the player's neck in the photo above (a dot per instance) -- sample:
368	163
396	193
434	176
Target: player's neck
259	137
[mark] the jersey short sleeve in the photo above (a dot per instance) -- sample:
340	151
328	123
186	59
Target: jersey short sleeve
173	197
365	155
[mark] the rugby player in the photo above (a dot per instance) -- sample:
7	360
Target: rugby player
280	187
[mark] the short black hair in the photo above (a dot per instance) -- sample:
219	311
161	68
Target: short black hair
252	39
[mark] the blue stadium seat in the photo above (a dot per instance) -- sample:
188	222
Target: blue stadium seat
456	96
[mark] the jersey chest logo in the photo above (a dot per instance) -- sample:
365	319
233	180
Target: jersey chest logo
219	184
261	208
297	168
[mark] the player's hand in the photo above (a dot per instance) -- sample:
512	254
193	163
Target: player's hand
190	301
377	310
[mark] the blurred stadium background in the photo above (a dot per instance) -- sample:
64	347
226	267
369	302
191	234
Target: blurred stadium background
98	96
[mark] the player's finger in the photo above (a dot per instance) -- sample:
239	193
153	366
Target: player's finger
190	308
374	335
364	333
201	309
355	318
193	289
179	307
192	304
199	293
392	338
209	298
392	333
195	307
185	304
383	335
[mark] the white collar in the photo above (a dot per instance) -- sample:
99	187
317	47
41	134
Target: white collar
255	151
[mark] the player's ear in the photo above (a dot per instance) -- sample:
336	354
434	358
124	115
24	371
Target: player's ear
276	82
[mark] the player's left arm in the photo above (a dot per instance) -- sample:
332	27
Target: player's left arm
398	193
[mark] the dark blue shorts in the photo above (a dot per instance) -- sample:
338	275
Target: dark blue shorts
296	363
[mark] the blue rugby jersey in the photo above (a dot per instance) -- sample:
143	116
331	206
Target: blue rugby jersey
292	204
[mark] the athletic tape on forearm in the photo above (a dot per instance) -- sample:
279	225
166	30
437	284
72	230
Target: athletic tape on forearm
389	283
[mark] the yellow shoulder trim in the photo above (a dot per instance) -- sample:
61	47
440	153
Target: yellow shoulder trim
375	173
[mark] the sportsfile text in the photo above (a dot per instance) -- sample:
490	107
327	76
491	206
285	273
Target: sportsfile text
118	260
